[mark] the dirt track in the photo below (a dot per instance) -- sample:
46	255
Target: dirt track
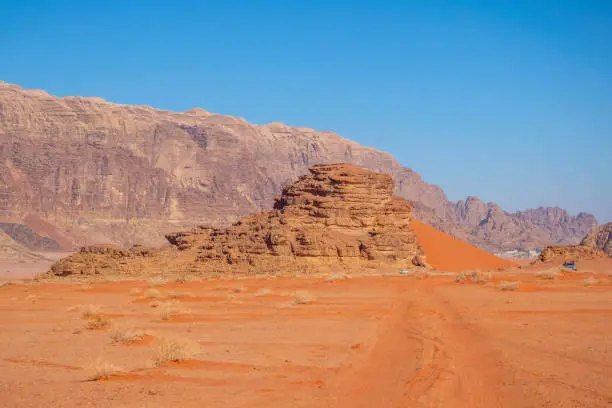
361	342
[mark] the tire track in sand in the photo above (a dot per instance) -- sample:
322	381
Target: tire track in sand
420	359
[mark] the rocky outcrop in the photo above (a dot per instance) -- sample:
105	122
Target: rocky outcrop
569	253
97	260
338	216
600	237
101	172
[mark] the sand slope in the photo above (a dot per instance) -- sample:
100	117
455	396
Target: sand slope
450	254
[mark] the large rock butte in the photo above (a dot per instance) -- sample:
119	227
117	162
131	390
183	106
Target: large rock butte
337	217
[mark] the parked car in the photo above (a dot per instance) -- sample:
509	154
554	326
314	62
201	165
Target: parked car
570	265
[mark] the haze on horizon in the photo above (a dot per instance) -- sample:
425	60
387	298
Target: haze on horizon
510	101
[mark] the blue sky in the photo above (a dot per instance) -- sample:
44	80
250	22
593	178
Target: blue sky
507	100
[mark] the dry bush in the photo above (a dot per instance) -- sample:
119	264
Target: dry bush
177	295
97	323
166	311
89	311
101	370
435	273
185	277
74	308
156	281
170	351
239	289
303	298
335	277
550	274
590	281
474	276
152	293
480	277
135	291
127	335
263	292
169	309
507	285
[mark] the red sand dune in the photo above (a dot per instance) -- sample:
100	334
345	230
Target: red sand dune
450	254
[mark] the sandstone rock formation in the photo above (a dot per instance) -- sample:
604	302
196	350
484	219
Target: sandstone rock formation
600	237
96	260
100	172
569	252
339	216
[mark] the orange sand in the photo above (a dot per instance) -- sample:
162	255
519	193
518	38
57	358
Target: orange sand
450	254
378	341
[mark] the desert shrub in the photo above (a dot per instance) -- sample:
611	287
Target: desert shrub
89	310
185	277
166	311
474	276
127	335
152	293
550	274
101	370
303	298
263	292
177	295
169	309
170	351
135	291
97	323
335	277
507	285
239	289
590	281
156	281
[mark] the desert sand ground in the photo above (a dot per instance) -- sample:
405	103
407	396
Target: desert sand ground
15	269
422	340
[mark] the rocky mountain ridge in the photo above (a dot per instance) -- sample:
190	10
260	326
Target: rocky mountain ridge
103	172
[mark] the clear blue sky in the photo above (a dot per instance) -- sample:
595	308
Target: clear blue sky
507	100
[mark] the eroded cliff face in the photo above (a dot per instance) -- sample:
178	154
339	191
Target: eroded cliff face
104	172
335	218
600	237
